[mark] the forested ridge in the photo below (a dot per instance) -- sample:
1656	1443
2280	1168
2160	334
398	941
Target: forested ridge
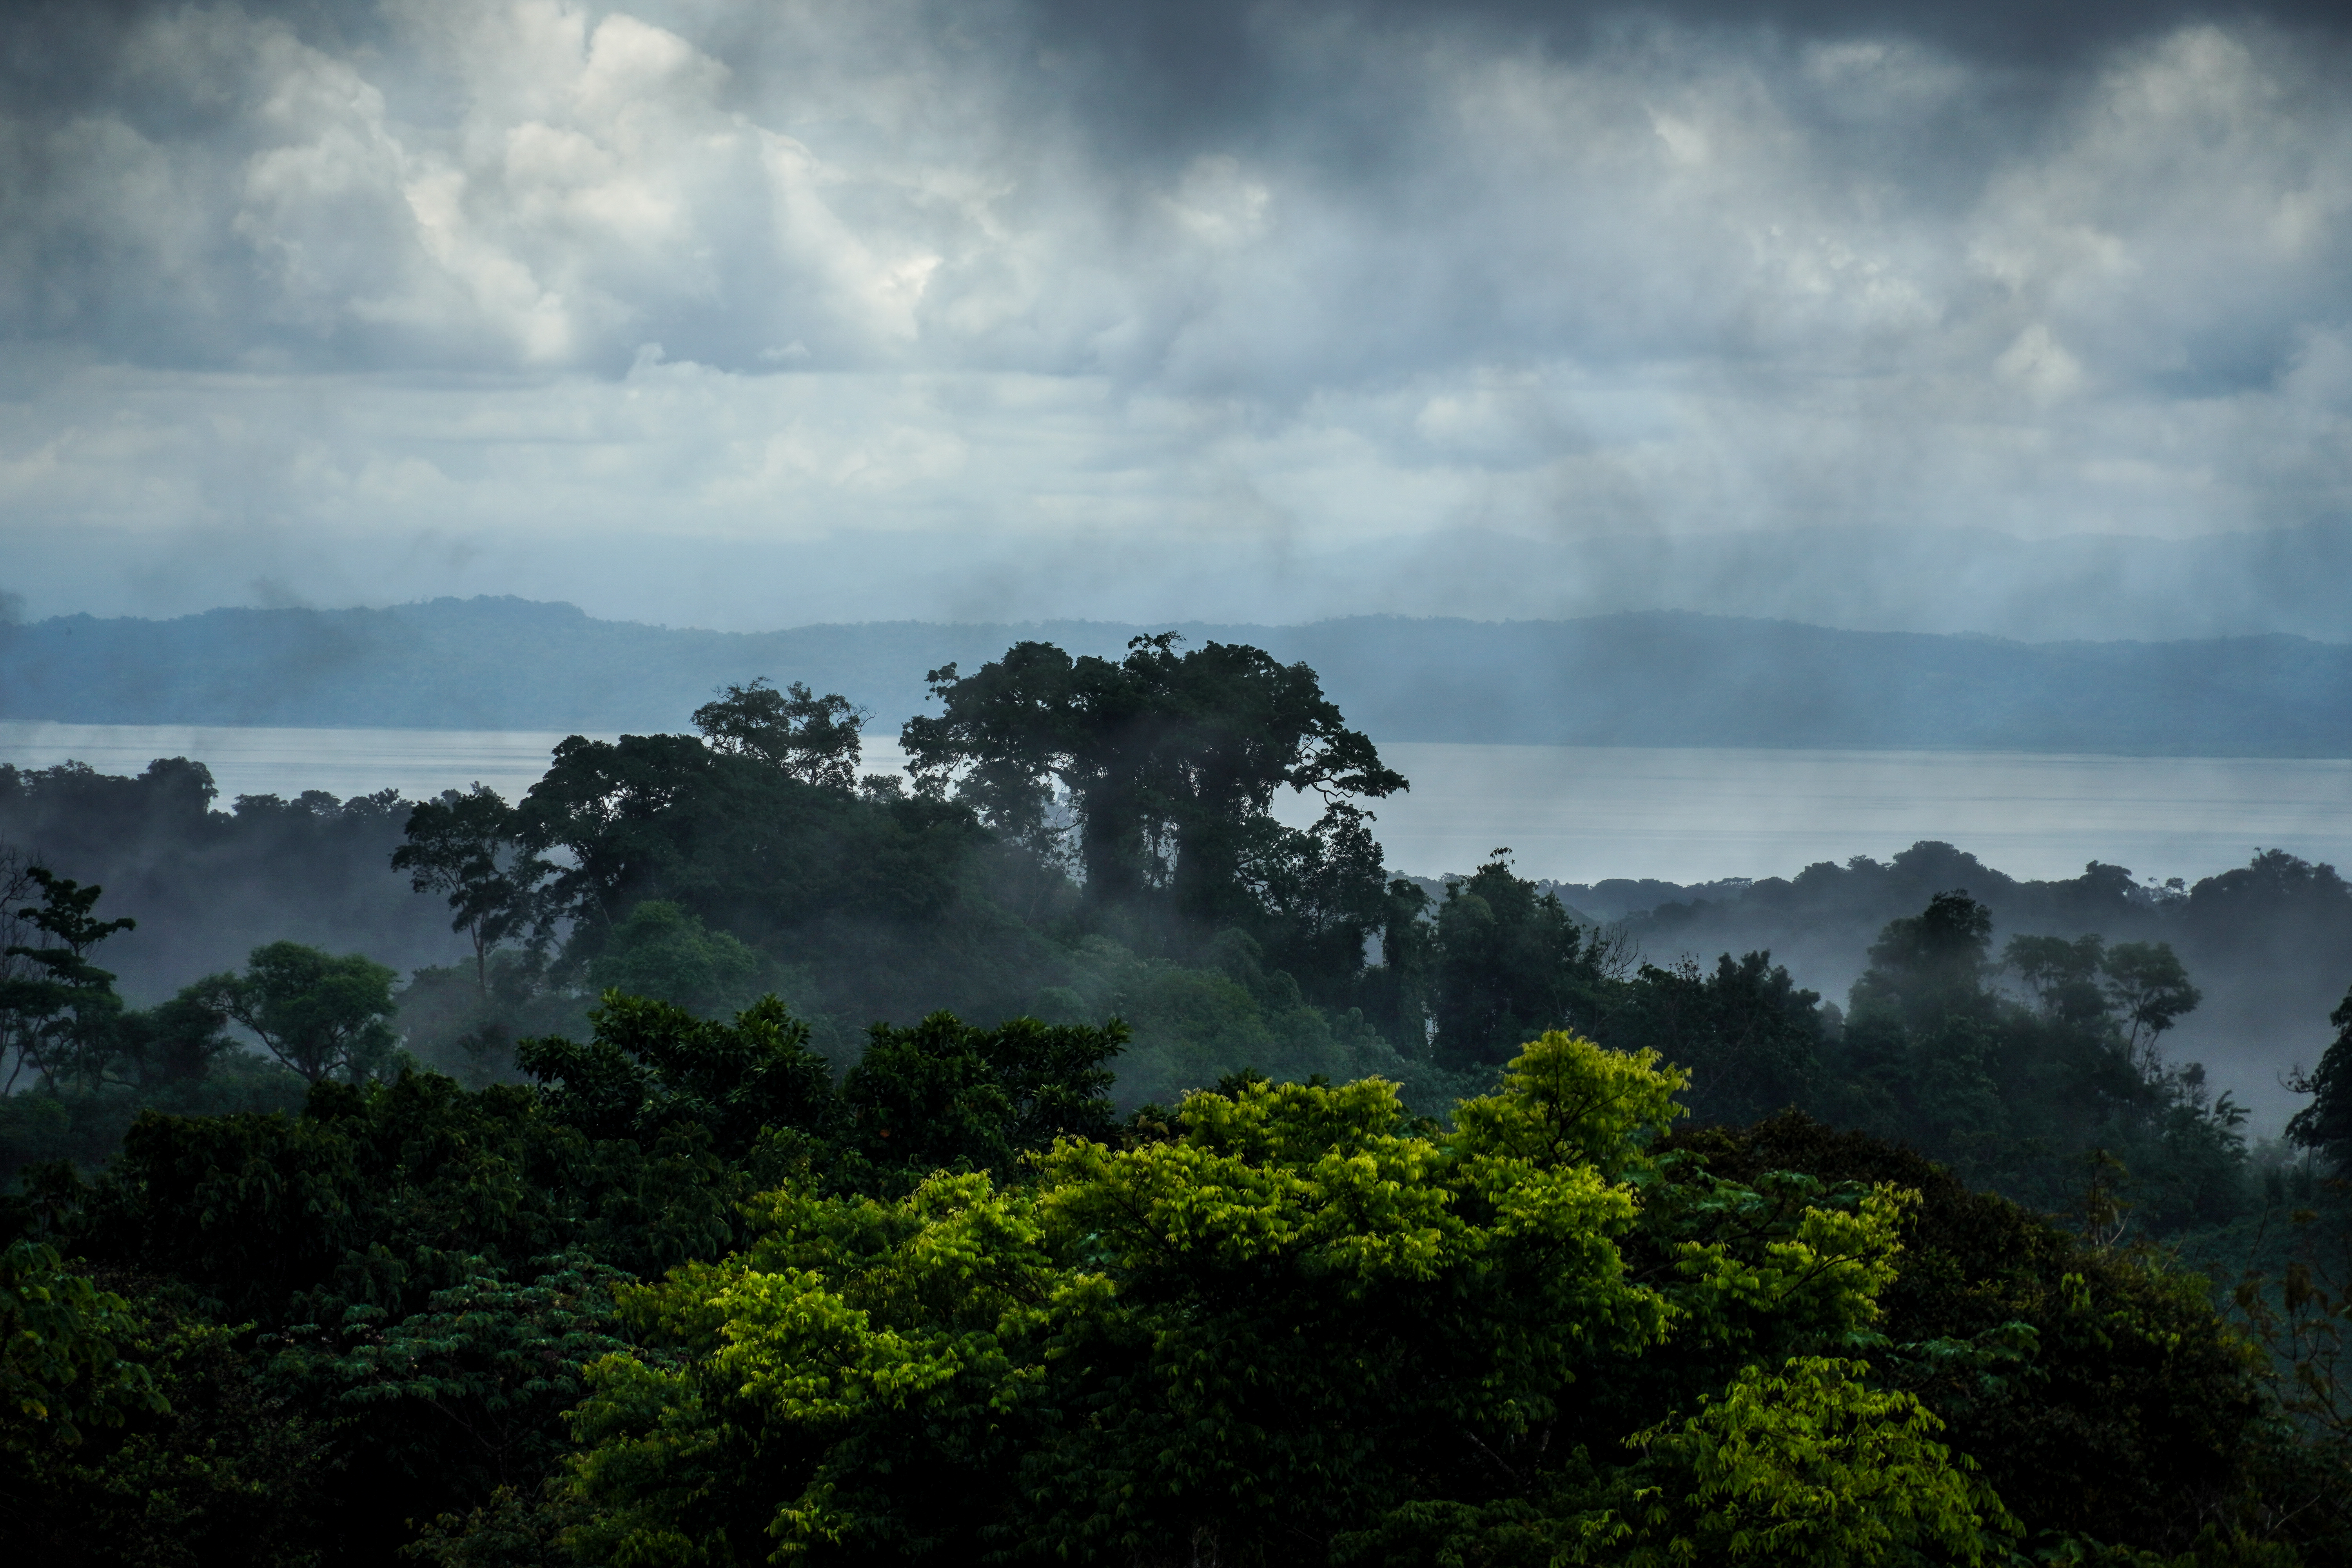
1207	1194
1642	679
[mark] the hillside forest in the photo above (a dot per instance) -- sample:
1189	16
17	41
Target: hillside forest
725	1154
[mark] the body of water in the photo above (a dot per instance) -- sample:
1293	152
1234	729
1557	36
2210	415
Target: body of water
1580	813
1575	813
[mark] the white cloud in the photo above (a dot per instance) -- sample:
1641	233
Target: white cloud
1680	282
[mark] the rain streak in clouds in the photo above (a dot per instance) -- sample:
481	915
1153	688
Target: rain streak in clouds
361	302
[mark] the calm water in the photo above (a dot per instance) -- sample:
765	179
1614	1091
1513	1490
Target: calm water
1573	813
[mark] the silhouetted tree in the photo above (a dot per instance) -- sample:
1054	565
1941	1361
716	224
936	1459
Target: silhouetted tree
2325	1126
1170	764
468	845
816	740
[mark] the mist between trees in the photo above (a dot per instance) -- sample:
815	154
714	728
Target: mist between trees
1112	988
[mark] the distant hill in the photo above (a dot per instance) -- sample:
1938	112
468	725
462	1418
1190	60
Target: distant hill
1654	679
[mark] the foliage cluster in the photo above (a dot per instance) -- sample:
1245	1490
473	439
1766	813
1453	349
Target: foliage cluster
690	1298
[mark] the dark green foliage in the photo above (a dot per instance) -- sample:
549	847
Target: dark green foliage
61	1367
816	739
467	845
431	1270
945	1096
446	1405
663	952
2325	1126
1753	1041
85	1128
2022	1097
652	1066
222	1470
1170	763
428	1268
887	904
317	1014
1511	961
2100	1392
1928	968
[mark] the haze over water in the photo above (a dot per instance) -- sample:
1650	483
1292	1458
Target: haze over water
1576	814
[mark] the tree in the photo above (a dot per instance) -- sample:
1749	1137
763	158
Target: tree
1511	962
2062	976
651	1066
1930	966
62	1008
615	808
1396	997
61	1340
1288	1323
318	1013
2150	989
175	1042
2325	1126
468	846
945	1095
816	740
1316	894
665	953
1750	1037
1170	762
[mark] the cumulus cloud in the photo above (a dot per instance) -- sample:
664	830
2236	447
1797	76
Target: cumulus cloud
455	282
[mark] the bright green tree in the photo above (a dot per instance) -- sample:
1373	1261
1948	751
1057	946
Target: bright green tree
62	1342
1293	1325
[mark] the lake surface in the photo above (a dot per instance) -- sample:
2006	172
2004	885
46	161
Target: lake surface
1575	813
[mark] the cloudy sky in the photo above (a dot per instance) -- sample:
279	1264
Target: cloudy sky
743	314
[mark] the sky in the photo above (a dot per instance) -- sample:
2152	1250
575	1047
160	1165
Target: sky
744	315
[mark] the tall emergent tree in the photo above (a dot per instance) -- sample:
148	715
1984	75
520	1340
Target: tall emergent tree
1170	763
468	846
816	740
57	1009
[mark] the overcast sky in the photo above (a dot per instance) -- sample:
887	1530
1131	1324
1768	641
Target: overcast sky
745	315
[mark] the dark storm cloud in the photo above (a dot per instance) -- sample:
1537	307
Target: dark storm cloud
1268	283
1166	73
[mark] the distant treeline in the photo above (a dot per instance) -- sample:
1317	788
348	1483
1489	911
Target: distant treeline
2269	942
1653	678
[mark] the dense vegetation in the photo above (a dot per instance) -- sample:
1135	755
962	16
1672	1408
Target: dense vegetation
1275	1208
687	1297
2269	942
